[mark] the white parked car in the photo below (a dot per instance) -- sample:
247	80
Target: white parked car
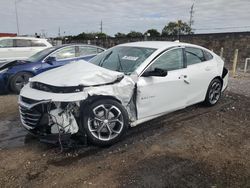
20	48
124	86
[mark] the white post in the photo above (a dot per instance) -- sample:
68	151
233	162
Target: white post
221	52
235	62
245	68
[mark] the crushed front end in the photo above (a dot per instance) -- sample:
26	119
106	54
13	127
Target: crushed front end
53	107
49	120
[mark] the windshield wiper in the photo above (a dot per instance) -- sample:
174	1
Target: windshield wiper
105	58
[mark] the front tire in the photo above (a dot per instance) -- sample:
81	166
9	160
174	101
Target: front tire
213	93
105	122
19	80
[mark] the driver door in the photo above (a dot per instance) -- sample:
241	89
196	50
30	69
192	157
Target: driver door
61	57
161	94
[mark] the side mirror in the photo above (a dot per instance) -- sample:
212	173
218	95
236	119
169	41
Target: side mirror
156	72
50	60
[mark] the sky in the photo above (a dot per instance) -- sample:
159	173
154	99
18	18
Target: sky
76	16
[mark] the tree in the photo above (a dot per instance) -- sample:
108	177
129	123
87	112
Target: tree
176	28
153	33
134	34
100	35
83	36
120	35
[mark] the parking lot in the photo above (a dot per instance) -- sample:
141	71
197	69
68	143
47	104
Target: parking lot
194	147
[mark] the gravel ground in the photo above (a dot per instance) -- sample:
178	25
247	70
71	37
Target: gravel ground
194	147
240	84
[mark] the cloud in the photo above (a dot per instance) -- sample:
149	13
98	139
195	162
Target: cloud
76	16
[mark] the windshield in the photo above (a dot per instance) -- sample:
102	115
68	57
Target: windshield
122	58
40	55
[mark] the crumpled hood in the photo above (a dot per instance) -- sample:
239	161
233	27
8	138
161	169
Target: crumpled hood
9	64
78	73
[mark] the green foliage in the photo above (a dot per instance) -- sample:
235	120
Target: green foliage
172	28
175	28
120	35
153	33
134	34
87	36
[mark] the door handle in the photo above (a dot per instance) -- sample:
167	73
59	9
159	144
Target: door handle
185	79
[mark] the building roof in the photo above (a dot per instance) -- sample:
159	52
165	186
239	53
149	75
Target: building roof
8	34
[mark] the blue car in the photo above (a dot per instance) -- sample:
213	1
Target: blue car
13	75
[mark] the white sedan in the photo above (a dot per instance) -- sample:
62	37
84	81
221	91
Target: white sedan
20	48
124	86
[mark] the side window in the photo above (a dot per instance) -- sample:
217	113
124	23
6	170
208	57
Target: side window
65	53
86	50
194	55
171	60
6	43
22	43
208	56
37	43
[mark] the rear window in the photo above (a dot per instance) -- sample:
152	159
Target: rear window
37	43
86	50
194	55
22	43
207	55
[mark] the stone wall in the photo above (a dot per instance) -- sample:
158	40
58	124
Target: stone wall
228	41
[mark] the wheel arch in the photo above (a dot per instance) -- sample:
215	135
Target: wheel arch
14	74
95	98
91	99
218	77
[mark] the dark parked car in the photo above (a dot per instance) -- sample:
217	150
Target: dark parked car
13	75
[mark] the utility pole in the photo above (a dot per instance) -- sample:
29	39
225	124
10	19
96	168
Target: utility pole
101	26
17	24
191	21
59	32
179	29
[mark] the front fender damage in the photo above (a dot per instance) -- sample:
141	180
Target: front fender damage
123	91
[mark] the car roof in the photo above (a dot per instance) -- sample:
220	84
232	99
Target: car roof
78	44
158	44
28	38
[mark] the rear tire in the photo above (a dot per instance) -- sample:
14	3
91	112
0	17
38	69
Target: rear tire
19	80
213	93
105	122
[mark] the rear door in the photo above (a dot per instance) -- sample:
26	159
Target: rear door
157	95
23	49
200	70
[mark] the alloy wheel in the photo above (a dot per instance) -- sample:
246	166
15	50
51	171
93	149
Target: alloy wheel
105	122
215	92
21	81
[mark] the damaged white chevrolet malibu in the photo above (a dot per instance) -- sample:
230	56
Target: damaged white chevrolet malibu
123	86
